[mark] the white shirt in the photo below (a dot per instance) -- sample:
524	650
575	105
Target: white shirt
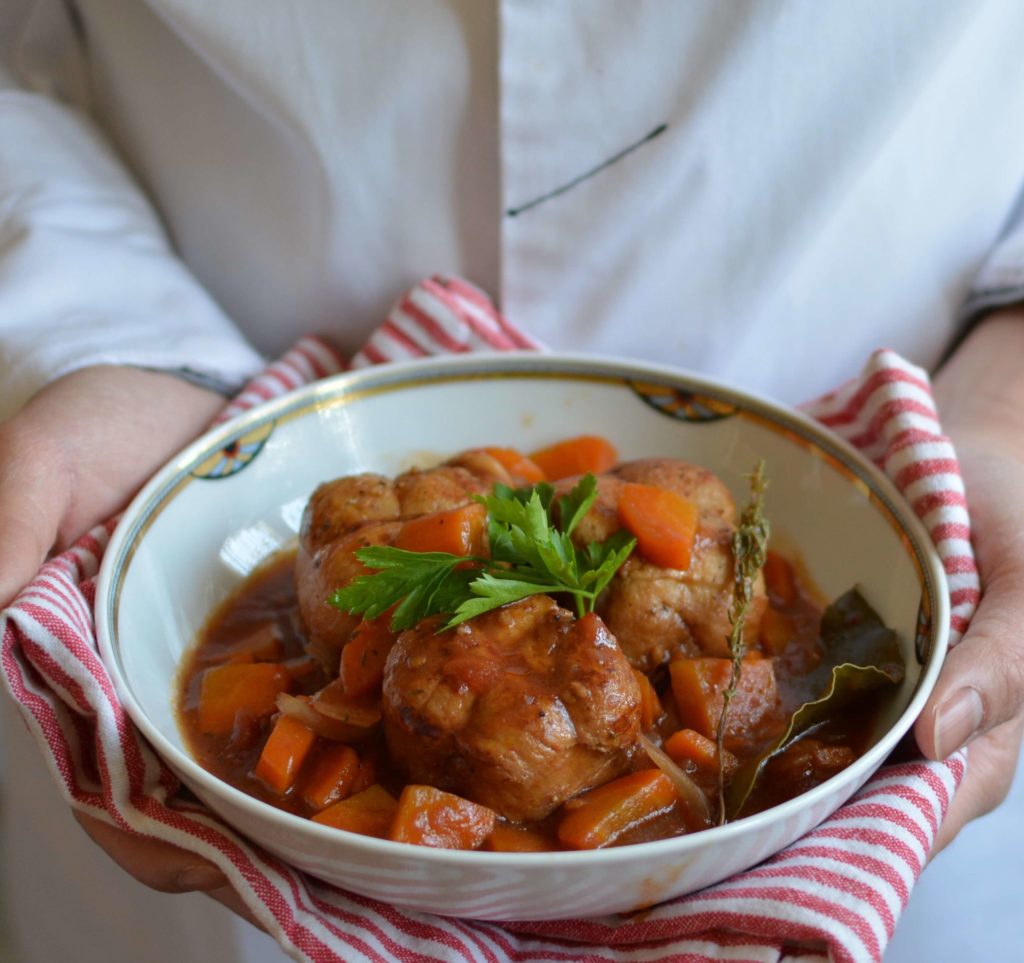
762	191
827	179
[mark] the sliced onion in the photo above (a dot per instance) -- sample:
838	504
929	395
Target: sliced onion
299	708
690	793
333	702
482	463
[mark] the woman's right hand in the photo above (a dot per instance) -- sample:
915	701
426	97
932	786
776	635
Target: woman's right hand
78	451
71	458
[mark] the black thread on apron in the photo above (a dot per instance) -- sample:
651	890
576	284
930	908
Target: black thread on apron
580	178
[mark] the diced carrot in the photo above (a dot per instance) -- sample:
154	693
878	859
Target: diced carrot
458	531
576	456
775	631
365	776
650	705
779	579
698	686
264	645
238	695
284	752
369	812
664	523
364	655
517	465
330	775
430	817
688	745
607	812
514	839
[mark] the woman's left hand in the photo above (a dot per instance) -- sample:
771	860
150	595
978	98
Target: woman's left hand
979	698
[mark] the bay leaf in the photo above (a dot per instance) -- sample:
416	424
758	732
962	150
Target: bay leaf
861	656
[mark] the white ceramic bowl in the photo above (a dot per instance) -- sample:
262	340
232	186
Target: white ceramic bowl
236	496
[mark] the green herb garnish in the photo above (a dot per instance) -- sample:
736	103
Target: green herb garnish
749	546
532	553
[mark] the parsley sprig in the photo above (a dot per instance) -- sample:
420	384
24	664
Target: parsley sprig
532	553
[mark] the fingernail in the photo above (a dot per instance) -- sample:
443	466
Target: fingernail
956	720
200	878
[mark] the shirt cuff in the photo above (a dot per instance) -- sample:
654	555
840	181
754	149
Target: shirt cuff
998	284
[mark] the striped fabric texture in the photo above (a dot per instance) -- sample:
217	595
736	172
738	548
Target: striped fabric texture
835	894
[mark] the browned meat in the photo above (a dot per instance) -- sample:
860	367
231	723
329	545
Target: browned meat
350	513
337	507
319	575
515	470
438	489
480	463
698	485
659	614
518	709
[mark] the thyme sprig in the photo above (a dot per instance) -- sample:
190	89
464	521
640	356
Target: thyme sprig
749	546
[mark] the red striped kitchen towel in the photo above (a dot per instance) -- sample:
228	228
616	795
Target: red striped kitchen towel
835	894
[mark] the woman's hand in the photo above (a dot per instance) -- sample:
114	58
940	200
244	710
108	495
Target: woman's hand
70	459
979	698
77	452
162	866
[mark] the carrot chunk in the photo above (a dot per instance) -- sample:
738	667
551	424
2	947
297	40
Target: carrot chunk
513	839
576	456
688	745
364	655
664	523
518	465
365	777
775	631
779	579
458	531
698	686
330	775
607	812
369	812
283	754
264	645
430	817
650	705
231	696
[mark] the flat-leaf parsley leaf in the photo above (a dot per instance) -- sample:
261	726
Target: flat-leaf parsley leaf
532	553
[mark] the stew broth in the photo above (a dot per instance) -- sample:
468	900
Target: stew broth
260	623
